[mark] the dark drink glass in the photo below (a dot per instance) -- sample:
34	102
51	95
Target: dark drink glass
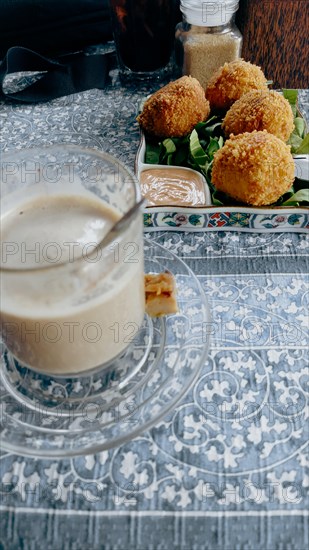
144	32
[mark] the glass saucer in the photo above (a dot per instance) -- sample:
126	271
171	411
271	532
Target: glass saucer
45	416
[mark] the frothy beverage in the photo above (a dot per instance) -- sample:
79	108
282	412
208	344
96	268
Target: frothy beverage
74	307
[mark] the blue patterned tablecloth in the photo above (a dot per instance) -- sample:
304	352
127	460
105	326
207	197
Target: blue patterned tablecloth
228	468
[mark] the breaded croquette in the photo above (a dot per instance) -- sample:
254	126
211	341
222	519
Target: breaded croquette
260	110
175	109
232	81
253	168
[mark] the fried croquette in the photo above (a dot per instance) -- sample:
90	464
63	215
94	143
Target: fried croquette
175	109
232	81
253	168
260	110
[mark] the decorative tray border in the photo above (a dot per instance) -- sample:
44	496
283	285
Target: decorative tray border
225	218
220	218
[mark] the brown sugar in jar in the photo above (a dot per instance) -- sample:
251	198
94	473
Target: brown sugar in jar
207	38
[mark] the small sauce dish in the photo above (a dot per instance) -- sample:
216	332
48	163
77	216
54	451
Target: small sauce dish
164	185
173	186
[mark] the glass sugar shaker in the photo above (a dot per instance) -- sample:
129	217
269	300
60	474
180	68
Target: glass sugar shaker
206	38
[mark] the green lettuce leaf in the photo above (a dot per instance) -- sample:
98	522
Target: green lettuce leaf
300	126
298	139
169	146
296	142
303	148
291	96
300	196
198	154
152	154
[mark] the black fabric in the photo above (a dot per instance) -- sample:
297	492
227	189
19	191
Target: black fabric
66	75
53	27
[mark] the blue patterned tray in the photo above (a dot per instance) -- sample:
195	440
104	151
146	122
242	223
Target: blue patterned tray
224	218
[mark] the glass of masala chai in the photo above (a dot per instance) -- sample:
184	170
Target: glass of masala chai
68	304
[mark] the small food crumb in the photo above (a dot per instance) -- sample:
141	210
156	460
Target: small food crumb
160	293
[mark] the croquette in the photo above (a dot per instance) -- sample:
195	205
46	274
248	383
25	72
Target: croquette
254	168
232	81
260	110
175	109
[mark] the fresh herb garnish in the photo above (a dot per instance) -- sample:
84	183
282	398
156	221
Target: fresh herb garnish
302	195
195	150
298	139
303	149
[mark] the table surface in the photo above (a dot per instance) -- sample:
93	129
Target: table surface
235	477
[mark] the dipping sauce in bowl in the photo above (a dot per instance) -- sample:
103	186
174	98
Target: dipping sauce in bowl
173	186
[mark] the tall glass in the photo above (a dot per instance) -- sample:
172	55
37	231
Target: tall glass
144	36
68	305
